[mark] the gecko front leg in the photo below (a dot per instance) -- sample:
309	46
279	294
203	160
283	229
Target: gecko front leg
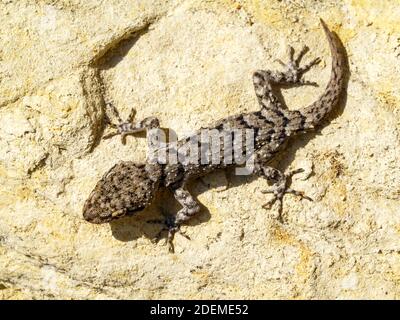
125	128
172	224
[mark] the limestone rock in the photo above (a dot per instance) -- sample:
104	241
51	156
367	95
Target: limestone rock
189	63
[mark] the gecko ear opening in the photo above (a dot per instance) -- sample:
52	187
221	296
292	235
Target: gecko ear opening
125	189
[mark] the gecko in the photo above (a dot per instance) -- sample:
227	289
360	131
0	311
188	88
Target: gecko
130	187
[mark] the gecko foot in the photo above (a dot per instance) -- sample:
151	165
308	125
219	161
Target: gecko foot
123	128
171	227
294	72
280	189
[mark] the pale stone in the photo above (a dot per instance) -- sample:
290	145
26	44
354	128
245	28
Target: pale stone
190	63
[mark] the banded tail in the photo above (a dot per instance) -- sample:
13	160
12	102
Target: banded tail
317	111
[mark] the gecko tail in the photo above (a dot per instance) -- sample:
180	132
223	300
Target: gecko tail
318	110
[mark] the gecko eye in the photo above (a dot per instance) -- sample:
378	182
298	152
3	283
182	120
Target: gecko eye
125	189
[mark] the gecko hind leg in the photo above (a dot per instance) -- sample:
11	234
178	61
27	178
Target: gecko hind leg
280	187
125	128
265	80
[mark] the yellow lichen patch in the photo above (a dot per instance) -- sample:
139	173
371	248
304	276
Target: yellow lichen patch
55	104
3	171
303	266
57	233
336	164
7	198
284	237
201	277
255	10
389	101
14	294
331	164
281	235
23	193
337	197
383	15
263	11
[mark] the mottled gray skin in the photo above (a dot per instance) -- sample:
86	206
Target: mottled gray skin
130	187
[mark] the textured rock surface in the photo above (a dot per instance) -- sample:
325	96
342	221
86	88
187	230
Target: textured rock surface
188	63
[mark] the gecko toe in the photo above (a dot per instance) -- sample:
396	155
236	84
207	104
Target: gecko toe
281	188
171	228
299	194
294	71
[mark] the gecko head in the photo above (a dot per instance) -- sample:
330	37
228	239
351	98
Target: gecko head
125	189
